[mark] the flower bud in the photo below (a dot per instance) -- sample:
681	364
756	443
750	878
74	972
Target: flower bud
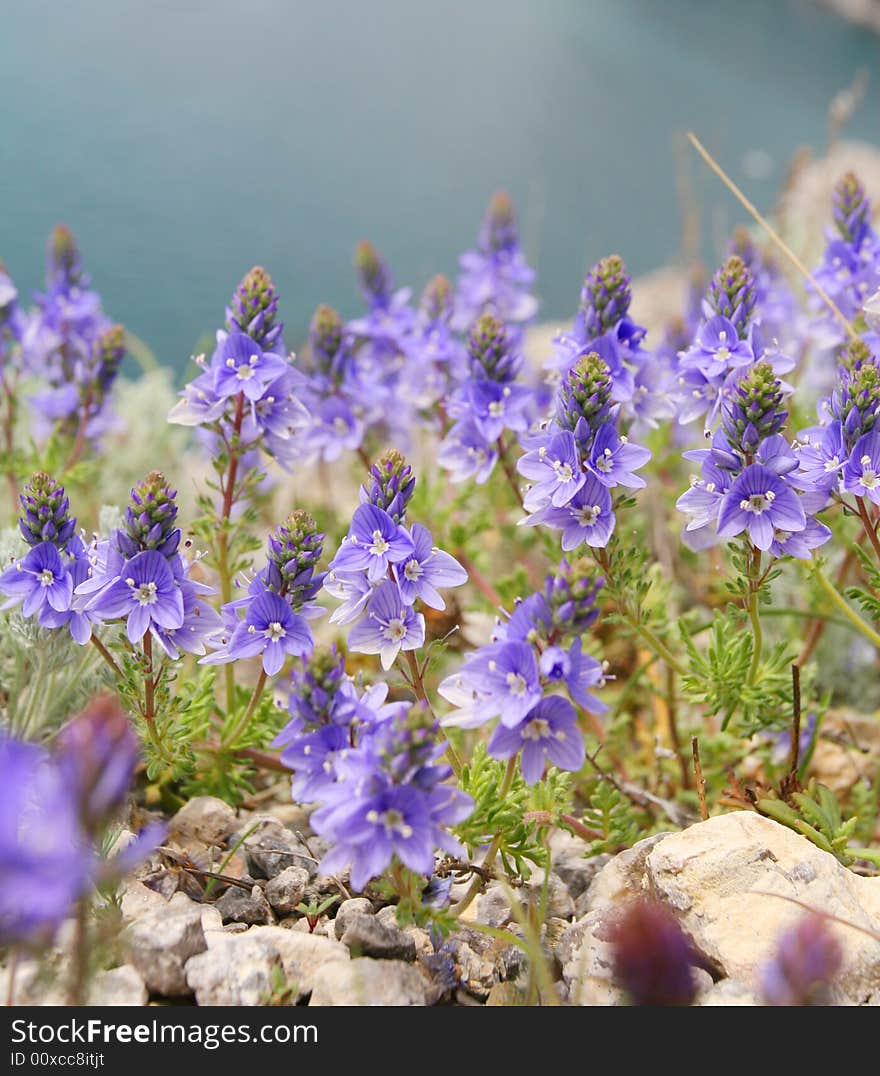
65	267
98	754
437	299
253	308
851	210
295	548
605	296
807	959
391	484
732	294
653	959
753	411
45	512
489	350
585	393
373	275
499	233
149	519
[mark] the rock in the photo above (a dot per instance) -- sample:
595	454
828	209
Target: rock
238	906
622	877
505	994
559	900
724	879
119	986
586	960
244	969
727	992
272	847
347	910
493	907
847	750
285	891
302	955
421	940
139	900
206	819
577	872
367	935
159	945
236	970
366	981
476	971
388	915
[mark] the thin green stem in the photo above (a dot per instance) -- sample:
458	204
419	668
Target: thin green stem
852	616
242	723
494	848
418	686
754	614
105	654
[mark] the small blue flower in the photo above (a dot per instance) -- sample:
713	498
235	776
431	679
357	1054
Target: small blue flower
427	570
861	475
40	581
270	628
760	502
388	626
374	542
548	732
588	517
145	592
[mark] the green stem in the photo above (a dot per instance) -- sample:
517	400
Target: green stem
853	617
418	685
494	848
244	720
80	961
223	536
105	654
754	614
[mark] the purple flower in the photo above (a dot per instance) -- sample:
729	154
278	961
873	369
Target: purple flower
588	517
578	671
500	680
861	475
395	822
760	502
270	628
45	858
40	581
718	348
555	470
374	543
145	592
428	569
98	754
613	459
466	453
703	500
388	626
241	365
653	959
807	960
549	732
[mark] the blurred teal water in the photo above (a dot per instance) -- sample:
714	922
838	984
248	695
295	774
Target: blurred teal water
185	140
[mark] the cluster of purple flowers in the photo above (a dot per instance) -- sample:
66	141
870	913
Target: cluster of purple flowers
731	337
639	383
55	807
495	277
849	272
486	403
373	769
383	567
44	579
517	676
748	482
578	456
139	575
842	454
246	396
271	621
69	344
